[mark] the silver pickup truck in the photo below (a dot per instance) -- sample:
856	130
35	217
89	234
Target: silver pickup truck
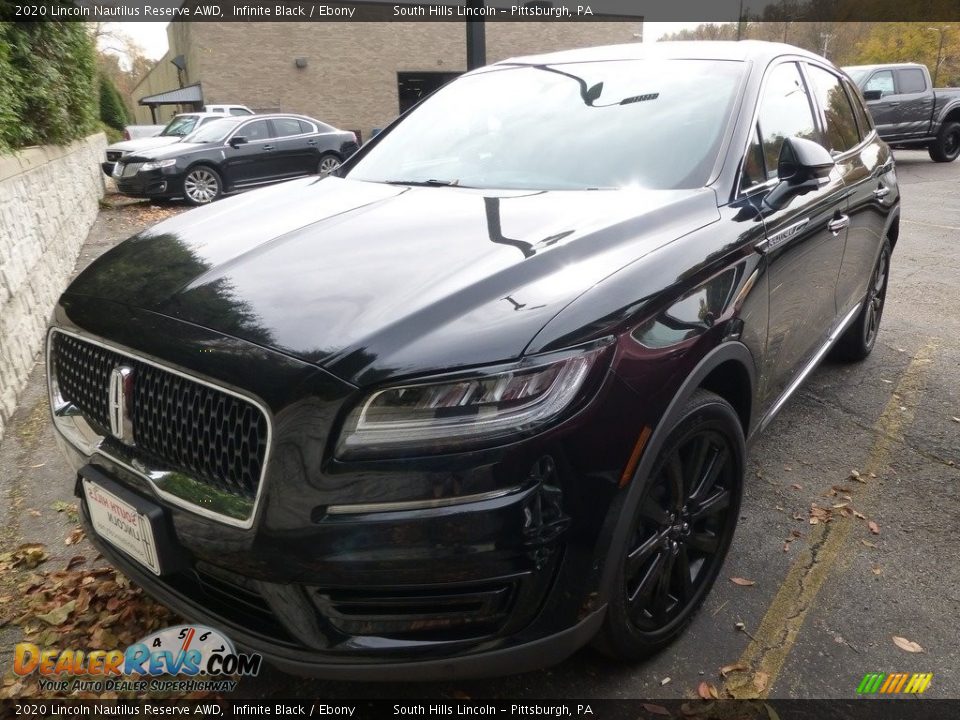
908	111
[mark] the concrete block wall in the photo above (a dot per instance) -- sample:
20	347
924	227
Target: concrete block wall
49	198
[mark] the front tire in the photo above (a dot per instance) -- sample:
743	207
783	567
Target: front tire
858	340
680	530
202	185
946	148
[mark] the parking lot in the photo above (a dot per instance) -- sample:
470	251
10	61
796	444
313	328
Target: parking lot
869	451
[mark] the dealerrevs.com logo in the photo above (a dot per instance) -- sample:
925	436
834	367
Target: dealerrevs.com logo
182	650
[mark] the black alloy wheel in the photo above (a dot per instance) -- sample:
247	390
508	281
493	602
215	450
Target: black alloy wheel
680	532
858	340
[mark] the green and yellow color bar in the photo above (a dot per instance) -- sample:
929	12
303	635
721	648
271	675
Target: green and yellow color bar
893	683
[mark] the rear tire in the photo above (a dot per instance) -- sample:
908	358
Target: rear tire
680	531
328	163
946	148
858	340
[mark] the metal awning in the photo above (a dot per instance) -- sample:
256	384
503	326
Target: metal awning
181	96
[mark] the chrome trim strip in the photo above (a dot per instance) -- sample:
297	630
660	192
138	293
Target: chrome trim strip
364	508
72	426
814	361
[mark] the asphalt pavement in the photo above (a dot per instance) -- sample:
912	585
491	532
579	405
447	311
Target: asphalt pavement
828	598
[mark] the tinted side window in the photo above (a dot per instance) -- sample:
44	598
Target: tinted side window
863	117
882	81
257	130
240	111
306	127
841	124
784	112
284	127
911	80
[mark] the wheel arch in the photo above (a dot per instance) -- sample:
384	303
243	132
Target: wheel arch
728	360
951	113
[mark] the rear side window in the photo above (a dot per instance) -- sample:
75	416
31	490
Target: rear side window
785	111
841	125
286	127
240	111
911	80
863	117
882	81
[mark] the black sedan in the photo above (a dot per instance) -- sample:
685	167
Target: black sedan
483	394
232	154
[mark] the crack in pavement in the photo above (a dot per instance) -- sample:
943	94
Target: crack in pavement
781	624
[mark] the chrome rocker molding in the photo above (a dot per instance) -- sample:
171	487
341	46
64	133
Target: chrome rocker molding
810	366
75	430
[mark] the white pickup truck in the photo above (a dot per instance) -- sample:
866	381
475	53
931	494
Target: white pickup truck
136	132
177	129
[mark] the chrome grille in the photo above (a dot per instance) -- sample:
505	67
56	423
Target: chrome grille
130	169
213	436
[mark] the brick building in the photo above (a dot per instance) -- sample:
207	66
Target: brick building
357	76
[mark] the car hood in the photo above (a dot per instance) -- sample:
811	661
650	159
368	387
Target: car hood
372	280
129	146
170	150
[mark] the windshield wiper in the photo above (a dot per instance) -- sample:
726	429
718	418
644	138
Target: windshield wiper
425	183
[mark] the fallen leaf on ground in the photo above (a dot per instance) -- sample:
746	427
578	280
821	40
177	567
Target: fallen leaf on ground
869	544
74	561
58	615
665	681
760	680
655	709
874	528
797	486
855	475
733	667
877	570
75	536
34	513
707	691
742	581
956	419
908	645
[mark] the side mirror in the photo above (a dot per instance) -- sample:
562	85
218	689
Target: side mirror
237	141
872	94
804	165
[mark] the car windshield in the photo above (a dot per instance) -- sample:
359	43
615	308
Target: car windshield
856	74
593	125
180	125
214	131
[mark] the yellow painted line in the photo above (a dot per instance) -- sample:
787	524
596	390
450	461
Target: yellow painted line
778	630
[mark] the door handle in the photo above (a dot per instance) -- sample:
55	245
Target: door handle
268	147
838	223
311	142
881	192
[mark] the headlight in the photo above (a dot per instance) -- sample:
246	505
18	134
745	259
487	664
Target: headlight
465	411
157	164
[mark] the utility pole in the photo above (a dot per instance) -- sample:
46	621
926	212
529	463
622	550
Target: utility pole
740	22
936	69
476	36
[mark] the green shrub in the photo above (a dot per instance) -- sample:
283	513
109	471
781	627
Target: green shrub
112	110
48	84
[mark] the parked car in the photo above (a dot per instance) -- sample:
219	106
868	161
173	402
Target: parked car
228	109
178	128
138	132
233	153
907	111
470	402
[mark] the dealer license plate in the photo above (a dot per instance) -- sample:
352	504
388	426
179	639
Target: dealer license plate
120	524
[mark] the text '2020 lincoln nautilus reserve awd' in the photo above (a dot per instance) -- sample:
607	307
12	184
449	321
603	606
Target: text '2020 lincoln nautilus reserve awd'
483	394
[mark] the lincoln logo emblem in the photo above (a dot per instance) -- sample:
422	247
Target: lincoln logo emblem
121	403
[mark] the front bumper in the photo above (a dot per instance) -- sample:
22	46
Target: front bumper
151	184
496	585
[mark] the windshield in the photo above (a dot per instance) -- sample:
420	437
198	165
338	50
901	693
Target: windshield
180	125
214	131
857	74
594	125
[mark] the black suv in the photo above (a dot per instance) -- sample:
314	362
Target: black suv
483	394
